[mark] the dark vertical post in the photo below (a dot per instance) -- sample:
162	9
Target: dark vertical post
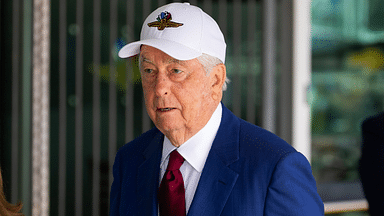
129	81
15	99
223	17
96	108
285	93
62	105
251	73
26	105
222	21
237	57
79	110
268	64
112	90
207	7
161	3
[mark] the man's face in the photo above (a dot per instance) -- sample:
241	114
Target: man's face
177	93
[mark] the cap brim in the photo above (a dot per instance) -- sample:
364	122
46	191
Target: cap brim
174	49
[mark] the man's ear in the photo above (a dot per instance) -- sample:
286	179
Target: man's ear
218	75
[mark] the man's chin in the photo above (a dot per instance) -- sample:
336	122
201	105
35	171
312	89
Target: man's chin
168	128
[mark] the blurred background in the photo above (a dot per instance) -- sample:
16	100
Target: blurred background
96	103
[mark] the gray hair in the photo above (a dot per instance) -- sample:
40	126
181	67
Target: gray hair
209	62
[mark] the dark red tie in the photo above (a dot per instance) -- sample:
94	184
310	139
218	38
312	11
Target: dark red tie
171	192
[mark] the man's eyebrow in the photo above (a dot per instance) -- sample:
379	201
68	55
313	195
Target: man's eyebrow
143	59
172	60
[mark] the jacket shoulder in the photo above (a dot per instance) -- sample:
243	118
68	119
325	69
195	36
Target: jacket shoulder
255	140
284	173
139	144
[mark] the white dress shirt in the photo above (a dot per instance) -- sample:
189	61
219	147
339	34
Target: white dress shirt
195	152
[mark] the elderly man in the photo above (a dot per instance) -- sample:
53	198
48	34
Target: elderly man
200	159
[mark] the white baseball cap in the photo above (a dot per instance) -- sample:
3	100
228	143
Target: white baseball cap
182	31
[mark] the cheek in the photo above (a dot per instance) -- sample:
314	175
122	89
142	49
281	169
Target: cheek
199	92
147	93
194	98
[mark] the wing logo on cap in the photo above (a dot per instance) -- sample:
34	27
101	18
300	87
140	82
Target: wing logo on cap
164	21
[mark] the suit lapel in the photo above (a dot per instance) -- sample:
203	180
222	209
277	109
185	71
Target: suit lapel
148	177
217	179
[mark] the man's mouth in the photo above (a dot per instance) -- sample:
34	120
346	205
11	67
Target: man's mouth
165	109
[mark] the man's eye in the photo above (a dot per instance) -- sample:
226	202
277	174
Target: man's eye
147	70
176	71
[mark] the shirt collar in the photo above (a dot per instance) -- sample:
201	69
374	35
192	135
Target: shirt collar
195	150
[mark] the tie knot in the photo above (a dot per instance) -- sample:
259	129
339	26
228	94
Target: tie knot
175	161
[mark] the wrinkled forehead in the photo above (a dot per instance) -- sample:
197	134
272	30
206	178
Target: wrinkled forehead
147	52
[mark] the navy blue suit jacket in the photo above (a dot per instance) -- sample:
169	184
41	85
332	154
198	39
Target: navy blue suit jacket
249	171
372	163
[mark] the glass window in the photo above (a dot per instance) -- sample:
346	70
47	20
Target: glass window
347	84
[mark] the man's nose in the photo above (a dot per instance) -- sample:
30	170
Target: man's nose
162	85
